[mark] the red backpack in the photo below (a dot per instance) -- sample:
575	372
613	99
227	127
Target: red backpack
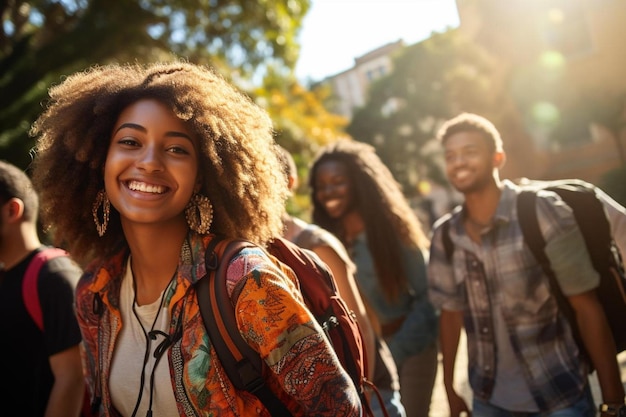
319	290
30	295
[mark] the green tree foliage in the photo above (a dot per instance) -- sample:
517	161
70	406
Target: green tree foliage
302	124
301	119
41	40
431	81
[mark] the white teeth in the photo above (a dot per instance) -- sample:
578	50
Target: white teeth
461	174
145	188
332	204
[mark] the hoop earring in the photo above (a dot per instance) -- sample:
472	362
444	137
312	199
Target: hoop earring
199	214
102	199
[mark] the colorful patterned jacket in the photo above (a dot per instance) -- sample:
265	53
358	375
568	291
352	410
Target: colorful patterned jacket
302	367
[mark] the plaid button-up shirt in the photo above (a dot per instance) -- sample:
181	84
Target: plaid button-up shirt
500	276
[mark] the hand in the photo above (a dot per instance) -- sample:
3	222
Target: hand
458	406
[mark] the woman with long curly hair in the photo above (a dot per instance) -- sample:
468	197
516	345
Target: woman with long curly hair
382	369
356	197
139	168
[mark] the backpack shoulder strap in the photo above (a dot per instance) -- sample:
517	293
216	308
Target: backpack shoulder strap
527	215
448	245
30	293
242	364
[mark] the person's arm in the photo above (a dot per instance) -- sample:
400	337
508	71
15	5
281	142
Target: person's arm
448	295
570	261
62	336
450	324
420	326
599	343
349	291
66	396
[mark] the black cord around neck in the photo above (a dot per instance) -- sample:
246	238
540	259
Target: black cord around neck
158	352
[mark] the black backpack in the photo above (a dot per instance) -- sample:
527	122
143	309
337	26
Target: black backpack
595	227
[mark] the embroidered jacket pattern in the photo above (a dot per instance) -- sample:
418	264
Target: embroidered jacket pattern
302	367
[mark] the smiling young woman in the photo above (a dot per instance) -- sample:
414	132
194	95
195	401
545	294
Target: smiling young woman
162	158
356	198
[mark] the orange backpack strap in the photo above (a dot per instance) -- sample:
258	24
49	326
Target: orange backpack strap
242	364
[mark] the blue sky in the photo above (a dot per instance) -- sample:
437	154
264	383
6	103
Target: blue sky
334	32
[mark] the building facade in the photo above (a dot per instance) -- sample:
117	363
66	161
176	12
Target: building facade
350	86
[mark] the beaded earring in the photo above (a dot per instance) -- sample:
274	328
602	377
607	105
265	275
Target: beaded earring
103	204
199	214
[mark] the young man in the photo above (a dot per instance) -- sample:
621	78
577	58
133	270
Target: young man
41	372
523	360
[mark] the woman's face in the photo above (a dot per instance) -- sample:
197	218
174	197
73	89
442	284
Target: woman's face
333	188
151	168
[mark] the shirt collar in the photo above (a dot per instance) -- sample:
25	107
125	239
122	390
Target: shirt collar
504	211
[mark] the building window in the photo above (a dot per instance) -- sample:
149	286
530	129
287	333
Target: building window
375	73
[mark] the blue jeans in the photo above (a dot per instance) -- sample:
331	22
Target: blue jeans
584	407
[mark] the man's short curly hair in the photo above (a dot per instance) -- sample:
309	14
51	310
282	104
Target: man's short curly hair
14	183
469	122
237	155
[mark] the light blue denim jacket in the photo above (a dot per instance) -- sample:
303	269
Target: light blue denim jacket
420	327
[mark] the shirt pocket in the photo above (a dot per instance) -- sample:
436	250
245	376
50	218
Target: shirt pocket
526	296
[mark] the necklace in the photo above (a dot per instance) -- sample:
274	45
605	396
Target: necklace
156	317
150	336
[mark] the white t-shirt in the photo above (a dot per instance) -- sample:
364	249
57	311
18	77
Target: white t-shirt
129	358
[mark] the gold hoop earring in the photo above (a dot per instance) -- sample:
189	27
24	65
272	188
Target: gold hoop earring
199	214
102	199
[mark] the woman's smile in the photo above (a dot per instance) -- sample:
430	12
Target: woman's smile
152	164
145	188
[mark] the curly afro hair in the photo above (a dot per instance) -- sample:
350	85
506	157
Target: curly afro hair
238	157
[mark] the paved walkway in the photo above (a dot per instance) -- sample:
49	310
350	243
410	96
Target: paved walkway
439	404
